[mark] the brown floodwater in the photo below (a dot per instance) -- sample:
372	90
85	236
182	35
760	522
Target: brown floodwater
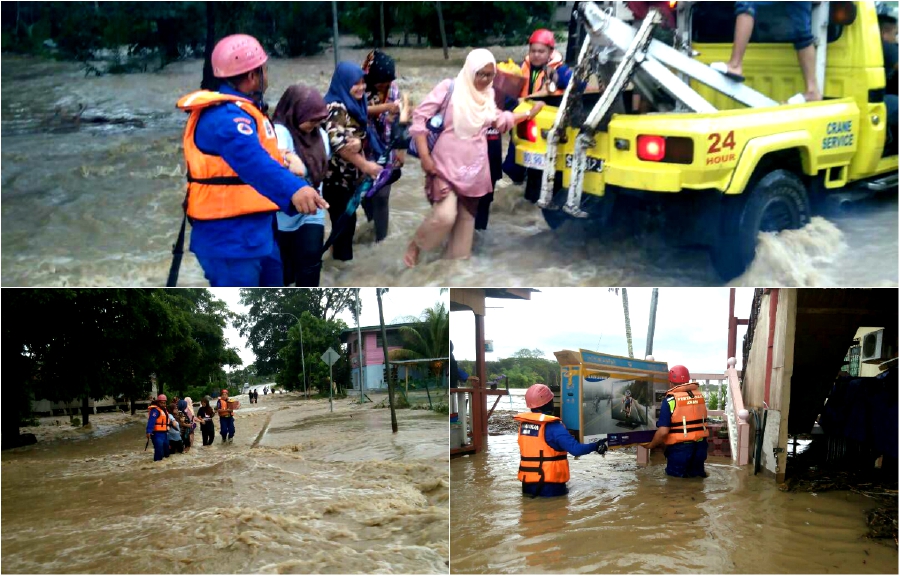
301	490
100	204
623	518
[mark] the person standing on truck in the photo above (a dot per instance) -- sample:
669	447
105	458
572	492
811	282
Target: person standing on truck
457	171
682	427
226	418
158	428
887	21
544	445
237	180
800	14
545	72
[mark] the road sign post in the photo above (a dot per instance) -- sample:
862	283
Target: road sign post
330	357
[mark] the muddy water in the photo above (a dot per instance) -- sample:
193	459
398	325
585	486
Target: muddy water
100	204
622	518
301	490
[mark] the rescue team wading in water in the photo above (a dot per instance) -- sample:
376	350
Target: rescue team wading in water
237	179
682	426
544	444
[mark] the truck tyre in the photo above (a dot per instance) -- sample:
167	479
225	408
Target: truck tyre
777	201
555	218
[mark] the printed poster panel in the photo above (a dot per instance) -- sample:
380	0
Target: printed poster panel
620	407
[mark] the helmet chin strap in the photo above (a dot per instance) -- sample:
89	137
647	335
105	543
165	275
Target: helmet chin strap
257	95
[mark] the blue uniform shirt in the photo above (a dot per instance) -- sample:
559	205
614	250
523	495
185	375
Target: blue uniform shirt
556	435
665	412
252	235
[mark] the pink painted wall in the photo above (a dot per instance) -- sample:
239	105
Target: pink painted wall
373	354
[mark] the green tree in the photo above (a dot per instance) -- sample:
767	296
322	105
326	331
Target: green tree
266	330
429	337
318	336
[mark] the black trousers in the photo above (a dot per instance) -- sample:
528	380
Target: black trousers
376	209
337	199
208	430
301	255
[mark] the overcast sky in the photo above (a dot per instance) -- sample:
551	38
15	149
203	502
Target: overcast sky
691	324
398	302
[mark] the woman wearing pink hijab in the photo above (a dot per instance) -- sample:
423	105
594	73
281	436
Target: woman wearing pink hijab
457	170
189	411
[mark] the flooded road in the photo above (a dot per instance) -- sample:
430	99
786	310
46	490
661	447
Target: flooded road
301	490
100	204
623	518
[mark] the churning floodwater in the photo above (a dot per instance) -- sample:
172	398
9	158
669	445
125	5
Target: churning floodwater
620	517
99	204
301	490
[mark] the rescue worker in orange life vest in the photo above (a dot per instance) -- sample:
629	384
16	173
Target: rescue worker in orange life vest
157	428
237	180
545	72
682	426
544	444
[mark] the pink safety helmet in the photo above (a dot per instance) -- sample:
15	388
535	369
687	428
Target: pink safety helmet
237	54
679	375
543	36
538	395
161	398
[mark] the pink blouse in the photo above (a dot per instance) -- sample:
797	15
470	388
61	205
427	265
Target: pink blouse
462	163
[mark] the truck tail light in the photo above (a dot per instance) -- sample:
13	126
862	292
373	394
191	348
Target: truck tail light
669	149
528	131
651	148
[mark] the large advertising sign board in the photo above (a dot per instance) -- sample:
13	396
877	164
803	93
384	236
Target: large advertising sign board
612	397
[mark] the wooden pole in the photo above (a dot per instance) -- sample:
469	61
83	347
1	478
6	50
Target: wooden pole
443	32
384	347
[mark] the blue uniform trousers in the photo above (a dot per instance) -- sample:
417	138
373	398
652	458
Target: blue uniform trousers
686	459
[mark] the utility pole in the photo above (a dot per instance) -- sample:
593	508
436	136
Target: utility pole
384	346
381	15
334	17
443	32
652	328
359	345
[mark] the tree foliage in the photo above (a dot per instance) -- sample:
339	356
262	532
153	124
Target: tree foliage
318	336
68	344
521	370
428	337
272	314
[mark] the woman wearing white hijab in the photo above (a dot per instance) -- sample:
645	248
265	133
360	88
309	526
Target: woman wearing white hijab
457	170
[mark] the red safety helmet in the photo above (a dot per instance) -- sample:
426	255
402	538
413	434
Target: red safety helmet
679	375
224	391
538	395
237	54
543	36
161	398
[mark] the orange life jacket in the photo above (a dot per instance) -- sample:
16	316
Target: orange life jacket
223	405
215	191
539	461
689	415
556	60
162	419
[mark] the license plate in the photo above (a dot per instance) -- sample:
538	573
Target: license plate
533	160
593	164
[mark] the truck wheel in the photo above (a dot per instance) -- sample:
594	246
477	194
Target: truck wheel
555	218
776	202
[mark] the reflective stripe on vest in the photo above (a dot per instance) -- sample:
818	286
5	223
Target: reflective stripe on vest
215	191
162	419
539	462
689	415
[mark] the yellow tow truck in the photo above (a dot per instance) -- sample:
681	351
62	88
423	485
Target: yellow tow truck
722	160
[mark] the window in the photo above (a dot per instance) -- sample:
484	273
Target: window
394	339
